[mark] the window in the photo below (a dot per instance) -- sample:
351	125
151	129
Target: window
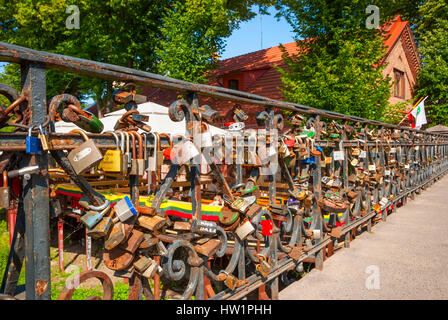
399	84
233	84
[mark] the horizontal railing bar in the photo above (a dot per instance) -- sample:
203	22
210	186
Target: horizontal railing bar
18	54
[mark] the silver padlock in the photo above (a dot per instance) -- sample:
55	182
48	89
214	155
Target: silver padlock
86	156
244	230
124	209
203	227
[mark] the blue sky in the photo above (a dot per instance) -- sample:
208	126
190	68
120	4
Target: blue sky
248	37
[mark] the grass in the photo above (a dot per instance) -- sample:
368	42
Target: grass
4	247
58	278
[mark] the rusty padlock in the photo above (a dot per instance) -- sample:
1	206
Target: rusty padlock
295	252
209	248
263	267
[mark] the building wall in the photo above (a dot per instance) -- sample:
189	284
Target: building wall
397	60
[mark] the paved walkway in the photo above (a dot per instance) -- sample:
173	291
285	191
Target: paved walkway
409	252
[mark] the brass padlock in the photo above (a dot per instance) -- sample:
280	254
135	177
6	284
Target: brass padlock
263	268
241	204
86	156
112	158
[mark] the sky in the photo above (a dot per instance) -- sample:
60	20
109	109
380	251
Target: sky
258	34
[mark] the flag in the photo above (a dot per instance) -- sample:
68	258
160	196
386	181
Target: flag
418	115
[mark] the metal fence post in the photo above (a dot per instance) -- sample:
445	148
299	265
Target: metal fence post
36	194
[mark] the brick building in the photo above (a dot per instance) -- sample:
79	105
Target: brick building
255	72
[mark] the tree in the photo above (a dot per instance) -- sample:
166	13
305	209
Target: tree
194	33
177	38
336	67
433	78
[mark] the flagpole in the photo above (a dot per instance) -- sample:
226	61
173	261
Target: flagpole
407	113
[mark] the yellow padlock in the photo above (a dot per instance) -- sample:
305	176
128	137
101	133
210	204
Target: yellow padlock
112	160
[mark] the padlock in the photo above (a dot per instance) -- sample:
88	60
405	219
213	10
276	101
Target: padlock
91	218
102	228
241	204
133	241
43	139
244	230
299	194
206	136
86	156
112	158
279	209
152	269
116	236
33	144
253	210
124	209
231	282
138	162
208	248
237	126
151	223
4	192
183	152
152	158
55	207
263	268
355	151
303	152
295	253
203	227
124	97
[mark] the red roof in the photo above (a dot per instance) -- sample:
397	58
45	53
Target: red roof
261	78
273	56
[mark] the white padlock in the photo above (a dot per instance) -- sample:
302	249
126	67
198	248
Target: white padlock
183	152
237	126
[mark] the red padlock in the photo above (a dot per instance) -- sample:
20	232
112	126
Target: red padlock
266	227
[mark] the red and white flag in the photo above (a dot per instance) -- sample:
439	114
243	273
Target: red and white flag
417	115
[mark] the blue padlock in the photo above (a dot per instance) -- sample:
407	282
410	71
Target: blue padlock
33	144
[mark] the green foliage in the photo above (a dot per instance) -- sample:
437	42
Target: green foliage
339	71
433	78
194	33
180	38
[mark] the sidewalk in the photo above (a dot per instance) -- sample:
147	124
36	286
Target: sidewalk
409	251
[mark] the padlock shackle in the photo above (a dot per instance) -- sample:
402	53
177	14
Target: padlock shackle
133	144
122	138
82	133
117	143
5	179
56	102
140	143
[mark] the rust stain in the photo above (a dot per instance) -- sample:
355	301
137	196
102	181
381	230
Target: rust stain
41	287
